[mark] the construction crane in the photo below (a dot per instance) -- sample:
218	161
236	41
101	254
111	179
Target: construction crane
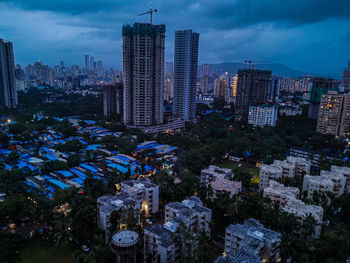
251	63
150	12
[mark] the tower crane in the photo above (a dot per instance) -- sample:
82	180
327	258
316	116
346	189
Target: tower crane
150	12
252	62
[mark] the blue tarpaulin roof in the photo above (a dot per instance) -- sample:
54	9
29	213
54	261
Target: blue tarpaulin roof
89	167
58	183
65	173
118	167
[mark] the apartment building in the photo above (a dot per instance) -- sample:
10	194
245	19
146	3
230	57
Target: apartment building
253	238
327	181
190	212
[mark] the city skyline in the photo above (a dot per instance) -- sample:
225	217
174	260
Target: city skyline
312	42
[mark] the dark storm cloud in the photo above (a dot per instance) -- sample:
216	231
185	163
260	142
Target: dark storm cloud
221	13
288	12
309	35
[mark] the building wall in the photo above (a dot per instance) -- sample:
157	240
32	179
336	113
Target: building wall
143	74
252	89
8	92
185	73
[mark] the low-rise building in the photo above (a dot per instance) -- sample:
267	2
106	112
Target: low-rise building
279	194
210	174
345	171
253	239
292	166
158	243
326	182
141	194
107	204
222	185
190	212
287	199
267	173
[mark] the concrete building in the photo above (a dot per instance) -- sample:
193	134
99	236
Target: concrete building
222	185
287	199
292	166
345	171
334	114
346	79
326	182
220	88
185	74
279	194
261	115
254	239
267	173
210	174
190	212
144	193
252	89
113	99
8	92
220	180
107	204
143	74
140	194
243	256
159	246
319	87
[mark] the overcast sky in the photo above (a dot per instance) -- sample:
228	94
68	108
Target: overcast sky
307	35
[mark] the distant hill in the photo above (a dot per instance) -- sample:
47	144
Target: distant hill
277	69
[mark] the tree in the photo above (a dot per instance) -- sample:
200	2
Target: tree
4	139
74	160
11	245
204	252
288	247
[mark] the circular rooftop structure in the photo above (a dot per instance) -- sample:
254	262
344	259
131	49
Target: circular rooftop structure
125	238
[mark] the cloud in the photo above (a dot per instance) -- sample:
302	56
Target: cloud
293	32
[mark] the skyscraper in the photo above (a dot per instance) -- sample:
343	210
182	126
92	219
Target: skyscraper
185	74
207	70
346	79
8	92
92	61
252	89
334	114
143	74
87	61
319	87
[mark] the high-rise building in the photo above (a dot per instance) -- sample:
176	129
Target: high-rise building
99	68
207	70
334	114
87	61
185	74
346	79
252	89
113	99
275	87
168	87
220	88
169	68
319	87
92	61
8	92
143	74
